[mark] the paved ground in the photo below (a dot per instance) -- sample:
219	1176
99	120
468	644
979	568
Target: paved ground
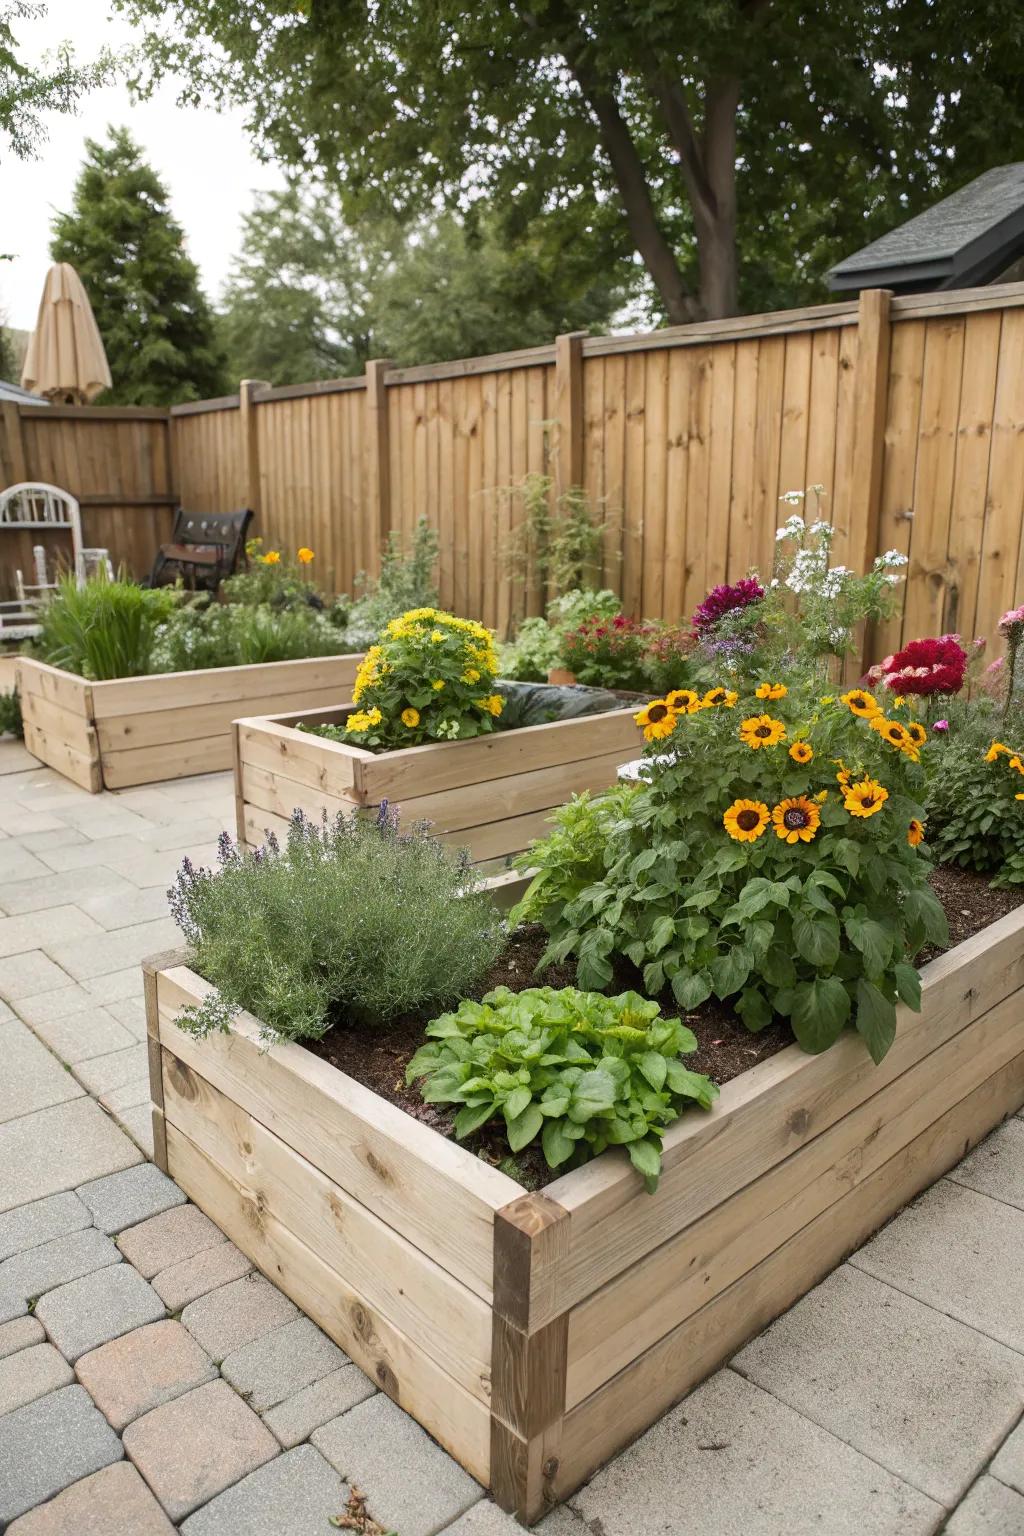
150	1381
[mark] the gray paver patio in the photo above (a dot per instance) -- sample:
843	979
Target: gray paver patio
31	1078
872	1407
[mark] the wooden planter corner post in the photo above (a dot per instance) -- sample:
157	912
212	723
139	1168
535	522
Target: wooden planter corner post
535	1335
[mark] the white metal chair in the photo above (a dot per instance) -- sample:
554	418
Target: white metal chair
35	505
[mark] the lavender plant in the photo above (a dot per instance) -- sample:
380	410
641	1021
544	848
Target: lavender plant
353	921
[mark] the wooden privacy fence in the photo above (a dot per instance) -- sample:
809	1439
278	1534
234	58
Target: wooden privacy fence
908	411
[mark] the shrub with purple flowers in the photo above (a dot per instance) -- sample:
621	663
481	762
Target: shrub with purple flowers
355	920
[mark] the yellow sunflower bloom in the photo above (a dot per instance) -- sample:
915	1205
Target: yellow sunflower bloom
917	732
891	731
796	820
865	798
656	720
410	717
843	776
861	703
801	752
719	696
915	832
771	691
1015	762
306	555
821	796
683	701
997	749
745	820
762	731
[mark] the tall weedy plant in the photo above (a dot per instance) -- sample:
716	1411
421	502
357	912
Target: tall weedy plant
104	629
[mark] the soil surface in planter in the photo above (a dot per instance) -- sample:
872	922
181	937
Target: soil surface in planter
725	1047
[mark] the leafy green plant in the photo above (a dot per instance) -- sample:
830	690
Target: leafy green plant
10	714
202	634
974	817
534	651
273	580
772	858
608	653
557	541
580	1070
406	581
104	629
571	857
352	919
668	659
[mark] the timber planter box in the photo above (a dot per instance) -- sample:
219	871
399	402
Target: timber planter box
534	1335
493	794
136	730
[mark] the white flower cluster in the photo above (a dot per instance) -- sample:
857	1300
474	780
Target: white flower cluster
808	565
792	528
792	498
892	557
833	581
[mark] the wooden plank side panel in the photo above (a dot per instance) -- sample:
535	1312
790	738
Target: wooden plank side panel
243	688
35	679
384	1273
395	1363
154	727
81	768
401	1170
614	1415
639	1306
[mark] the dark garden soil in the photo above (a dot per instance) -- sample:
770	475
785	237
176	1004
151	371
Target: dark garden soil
725	1047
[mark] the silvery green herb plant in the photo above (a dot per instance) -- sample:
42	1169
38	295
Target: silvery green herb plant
578	1069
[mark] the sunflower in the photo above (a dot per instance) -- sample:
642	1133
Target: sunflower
917	733
762	731
892	731
683	701
1015	762
801	752
410	717
861	703
843	776
997	749
796	820
915	832
723	696
745	820
771	691
865	797
656	720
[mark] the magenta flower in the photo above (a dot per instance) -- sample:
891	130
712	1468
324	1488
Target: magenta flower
726	599
941	725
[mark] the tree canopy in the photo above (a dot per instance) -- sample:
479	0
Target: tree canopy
26	90
737	146
311	297
156	324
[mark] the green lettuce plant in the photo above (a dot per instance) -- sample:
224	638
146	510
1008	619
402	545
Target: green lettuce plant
578	1070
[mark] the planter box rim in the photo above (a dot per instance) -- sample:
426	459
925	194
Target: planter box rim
153	677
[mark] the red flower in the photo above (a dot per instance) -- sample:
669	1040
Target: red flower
927	666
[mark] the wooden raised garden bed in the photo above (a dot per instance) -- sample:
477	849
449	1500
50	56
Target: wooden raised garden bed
534	1335
135	730
493	794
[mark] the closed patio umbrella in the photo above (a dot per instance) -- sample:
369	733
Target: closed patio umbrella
65	361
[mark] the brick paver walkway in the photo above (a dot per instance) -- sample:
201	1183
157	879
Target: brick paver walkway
151	1381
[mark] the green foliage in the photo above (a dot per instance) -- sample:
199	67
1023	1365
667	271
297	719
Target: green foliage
201	634
581	1071
571	857
974	817
669	660
535	649
406	581
104	629
156	324
352	921
608	653
781	885
56	84
10	714
273	580
556	541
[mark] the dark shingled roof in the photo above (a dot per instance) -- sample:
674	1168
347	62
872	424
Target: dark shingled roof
966	240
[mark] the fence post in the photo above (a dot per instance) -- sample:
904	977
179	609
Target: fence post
15	442
569	410
250	443
871	398
378	460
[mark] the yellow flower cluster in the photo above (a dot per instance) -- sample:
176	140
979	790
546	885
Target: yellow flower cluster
659	719
999	749
795	820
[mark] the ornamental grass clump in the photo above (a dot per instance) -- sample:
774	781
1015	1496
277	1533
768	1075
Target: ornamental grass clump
429	678
774	858
578	1070
353	921
105	628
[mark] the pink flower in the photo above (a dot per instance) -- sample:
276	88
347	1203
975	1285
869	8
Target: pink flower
1011	620
941	725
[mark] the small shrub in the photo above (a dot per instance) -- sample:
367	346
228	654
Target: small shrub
581	1071
104	629
556	541
774	860
272	580
535	650
571	857
202	634
352	917
429	678
10	714
608	653
669	657
975	819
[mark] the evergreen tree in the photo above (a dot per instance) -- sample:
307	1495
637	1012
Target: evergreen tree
157	326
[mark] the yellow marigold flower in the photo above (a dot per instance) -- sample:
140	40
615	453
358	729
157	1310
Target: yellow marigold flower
796	820
272	557
656	720
771	691
915	832
719	696
997	749
683	701
1015	762
437	684
745	820
437	636
861	703
410	717
494	704
762	731
801	752
470	676
865	798
306	555
917	733
1018	797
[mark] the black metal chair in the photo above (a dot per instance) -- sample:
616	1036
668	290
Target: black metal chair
205	547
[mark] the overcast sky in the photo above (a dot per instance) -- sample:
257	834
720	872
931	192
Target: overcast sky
203	159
